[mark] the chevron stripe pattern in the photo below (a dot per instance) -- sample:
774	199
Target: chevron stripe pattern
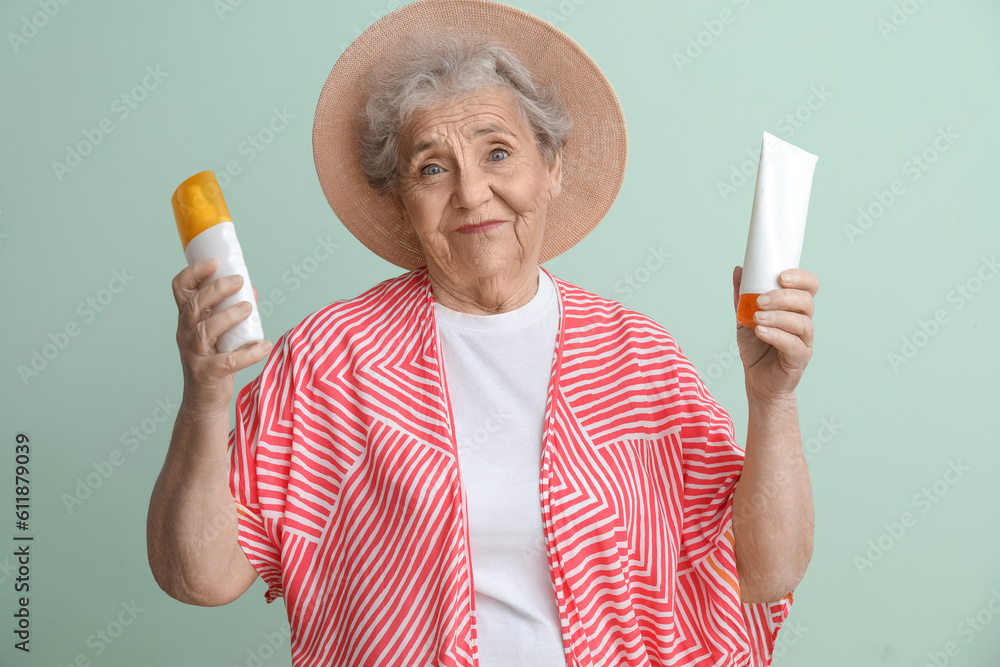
345	474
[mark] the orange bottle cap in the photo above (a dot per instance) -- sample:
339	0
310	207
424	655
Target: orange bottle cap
198	205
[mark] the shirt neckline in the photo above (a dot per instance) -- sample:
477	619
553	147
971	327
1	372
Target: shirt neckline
512	320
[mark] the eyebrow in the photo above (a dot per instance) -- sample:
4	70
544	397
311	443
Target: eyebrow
491	128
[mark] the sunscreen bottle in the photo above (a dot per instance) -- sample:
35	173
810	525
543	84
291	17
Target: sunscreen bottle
206	230
777	221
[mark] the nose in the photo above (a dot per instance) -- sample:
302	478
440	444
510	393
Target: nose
472	188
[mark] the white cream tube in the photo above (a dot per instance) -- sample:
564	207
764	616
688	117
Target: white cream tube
777	221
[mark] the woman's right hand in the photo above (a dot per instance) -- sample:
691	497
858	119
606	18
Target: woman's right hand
209	374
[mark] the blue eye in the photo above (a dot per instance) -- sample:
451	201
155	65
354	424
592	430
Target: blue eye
500	152
429	173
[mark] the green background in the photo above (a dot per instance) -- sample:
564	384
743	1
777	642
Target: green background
887	91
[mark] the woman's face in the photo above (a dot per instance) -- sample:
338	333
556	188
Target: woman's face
475	188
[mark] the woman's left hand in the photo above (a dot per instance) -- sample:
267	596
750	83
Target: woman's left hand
776	352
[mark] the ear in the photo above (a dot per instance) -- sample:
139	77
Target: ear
555	177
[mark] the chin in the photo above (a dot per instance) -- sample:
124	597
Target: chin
491	263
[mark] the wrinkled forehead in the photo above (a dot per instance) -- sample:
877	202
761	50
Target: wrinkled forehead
465	117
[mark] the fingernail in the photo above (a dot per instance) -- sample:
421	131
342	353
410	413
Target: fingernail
763	300
762	330
786	277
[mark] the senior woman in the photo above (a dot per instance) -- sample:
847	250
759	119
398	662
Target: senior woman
477	462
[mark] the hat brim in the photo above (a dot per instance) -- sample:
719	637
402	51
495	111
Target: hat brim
594	156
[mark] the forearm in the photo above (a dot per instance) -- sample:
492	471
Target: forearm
772	504
191	527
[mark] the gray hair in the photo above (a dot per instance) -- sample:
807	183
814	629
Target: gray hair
440	69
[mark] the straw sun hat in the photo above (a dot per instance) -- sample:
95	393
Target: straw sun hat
594	155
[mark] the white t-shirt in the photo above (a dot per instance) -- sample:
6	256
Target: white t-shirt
497	369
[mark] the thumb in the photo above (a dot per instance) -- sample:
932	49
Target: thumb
737	277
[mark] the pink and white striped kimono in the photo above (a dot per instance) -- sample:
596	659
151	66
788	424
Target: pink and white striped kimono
346	477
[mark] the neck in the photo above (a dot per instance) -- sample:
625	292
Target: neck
486	295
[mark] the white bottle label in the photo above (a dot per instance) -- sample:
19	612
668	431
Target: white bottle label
220	242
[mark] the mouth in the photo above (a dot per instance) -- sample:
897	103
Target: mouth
479	227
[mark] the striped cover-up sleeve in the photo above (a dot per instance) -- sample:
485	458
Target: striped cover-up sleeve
712	463
260	447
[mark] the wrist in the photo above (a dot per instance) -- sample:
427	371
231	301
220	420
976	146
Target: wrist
773	405
204	403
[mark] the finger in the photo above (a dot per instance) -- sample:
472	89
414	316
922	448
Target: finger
202	302
799	279
794	300
218	366
247	356
792	351
208	330
796	324
220	290
255	297
190	278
